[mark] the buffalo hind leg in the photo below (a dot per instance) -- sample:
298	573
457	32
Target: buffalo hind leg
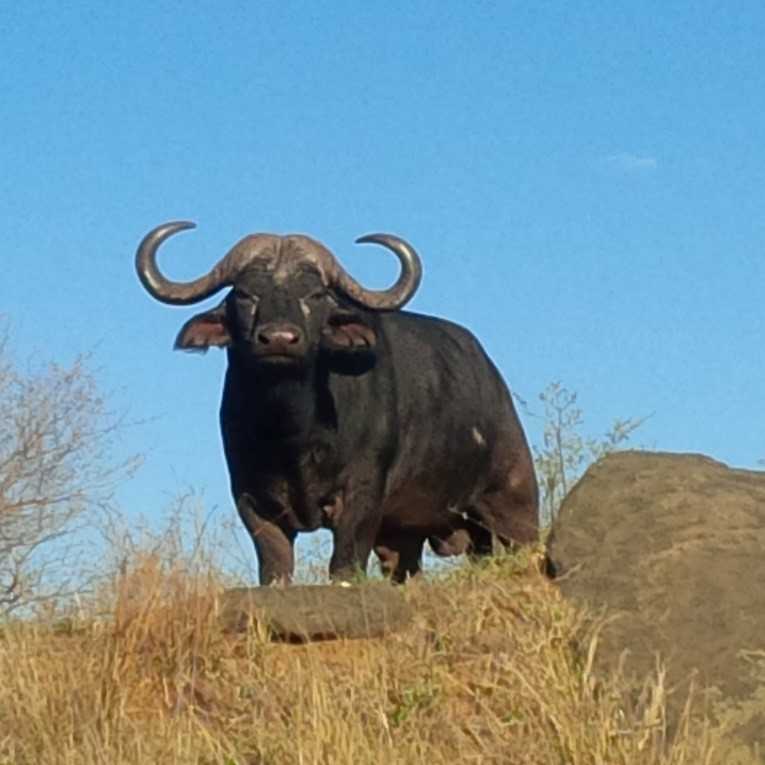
481	538
274	546
456	542
400	556
474	540
510	513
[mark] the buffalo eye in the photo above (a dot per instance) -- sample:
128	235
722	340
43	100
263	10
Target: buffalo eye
316	295
241	295
311	300
245	302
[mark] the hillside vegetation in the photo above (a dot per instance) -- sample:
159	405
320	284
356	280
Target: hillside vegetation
495	669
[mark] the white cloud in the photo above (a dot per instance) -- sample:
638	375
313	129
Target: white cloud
633	163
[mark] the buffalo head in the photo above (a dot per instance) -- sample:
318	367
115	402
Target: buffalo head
290	297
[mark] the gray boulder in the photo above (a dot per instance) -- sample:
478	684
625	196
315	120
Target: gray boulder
675	545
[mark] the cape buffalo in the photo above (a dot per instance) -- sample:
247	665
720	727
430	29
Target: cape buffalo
341	411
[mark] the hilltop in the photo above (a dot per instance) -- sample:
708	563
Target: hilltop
494	668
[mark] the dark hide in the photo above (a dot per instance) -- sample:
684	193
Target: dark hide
389	428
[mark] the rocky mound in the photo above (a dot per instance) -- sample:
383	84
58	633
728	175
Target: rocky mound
675	545
319	612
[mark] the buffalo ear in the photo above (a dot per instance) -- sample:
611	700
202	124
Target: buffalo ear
347	332
204	330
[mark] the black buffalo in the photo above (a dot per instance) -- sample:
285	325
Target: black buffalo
341	411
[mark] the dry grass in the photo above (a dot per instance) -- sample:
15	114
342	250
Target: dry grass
496	669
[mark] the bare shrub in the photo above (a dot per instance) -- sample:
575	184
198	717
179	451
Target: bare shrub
565	452
56	435
189	540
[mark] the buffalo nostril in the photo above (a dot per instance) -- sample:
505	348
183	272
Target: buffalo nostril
285	336
281	336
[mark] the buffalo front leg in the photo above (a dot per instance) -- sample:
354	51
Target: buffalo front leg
354	529
274	546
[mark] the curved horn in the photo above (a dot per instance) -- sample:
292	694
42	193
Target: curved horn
158	286
405	286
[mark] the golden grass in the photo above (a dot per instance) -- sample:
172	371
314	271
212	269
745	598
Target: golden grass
495	669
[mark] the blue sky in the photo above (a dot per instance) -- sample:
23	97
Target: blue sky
585	184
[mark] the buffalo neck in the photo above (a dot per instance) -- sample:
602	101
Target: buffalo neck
279	404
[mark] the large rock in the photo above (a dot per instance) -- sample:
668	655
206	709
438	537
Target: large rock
318	612
675	544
